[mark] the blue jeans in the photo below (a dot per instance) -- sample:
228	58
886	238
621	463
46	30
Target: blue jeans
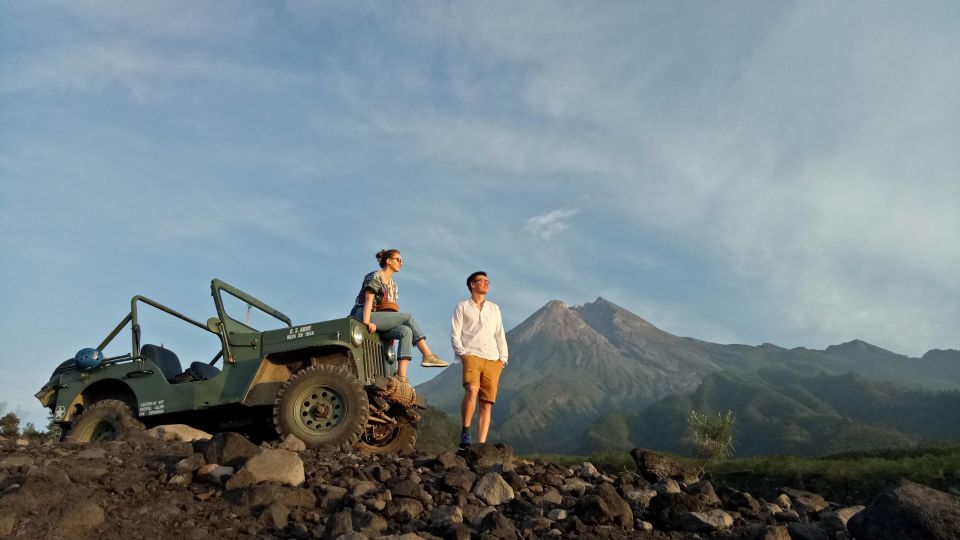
400	326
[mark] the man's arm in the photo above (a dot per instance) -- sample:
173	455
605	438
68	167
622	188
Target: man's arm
501	338
456	330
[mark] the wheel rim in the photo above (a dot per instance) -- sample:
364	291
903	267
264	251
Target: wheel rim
381	435
320	409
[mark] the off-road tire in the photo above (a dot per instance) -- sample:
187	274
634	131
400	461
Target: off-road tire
105	420
323	406
401	438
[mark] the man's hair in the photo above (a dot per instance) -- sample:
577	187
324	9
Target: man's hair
474	276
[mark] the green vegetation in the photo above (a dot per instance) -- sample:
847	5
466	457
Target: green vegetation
437	432
712	436
847	479
9	425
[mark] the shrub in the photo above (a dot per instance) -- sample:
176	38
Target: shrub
712	436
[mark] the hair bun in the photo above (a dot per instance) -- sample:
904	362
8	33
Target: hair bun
380	255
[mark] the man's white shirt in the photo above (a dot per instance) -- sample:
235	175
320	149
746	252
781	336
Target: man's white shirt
478	331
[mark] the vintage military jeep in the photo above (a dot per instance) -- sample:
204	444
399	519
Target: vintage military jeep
326	383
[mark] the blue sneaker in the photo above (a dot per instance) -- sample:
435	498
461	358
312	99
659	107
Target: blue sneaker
465	439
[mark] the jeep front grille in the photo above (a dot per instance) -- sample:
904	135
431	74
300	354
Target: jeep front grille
374	359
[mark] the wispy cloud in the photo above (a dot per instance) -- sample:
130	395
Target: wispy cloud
548	225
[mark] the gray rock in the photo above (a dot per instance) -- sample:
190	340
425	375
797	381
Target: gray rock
740	499
449	460
640	497
493	489
704	491
476	514
264	494
667	485
806	531
557	514
909	510
788	516
404	509
192	463
551	497
605	507
275	466
497	457
293	444
666	510
181	479
275	515
588	470
92	453
835	521
537	524
711	521
340	524
362	488
230	449
655	467
79	519
773	532
369	523
446	516
177	432
459	480
50	474
805	501
497	525
575	487
8	521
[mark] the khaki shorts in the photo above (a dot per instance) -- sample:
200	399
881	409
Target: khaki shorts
483	373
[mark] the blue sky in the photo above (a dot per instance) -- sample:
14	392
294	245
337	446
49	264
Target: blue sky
741	173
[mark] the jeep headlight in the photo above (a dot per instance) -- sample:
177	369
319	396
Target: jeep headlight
391	352
357	335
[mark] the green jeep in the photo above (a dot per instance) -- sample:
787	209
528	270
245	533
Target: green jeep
326	383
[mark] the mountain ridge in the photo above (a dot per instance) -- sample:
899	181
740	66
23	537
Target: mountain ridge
574	366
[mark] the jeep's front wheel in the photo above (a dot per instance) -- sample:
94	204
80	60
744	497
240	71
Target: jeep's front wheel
105	420
322	405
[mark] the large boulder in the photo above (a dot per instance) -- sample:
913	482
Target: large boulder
273	466
604	507
230	449
177	432
906	511
495	457
493	489
654	467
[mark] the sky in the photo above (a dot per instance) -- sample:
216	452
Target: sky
749	172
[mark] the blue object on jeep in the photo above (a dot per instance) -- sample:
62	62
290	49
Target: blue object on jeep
88	358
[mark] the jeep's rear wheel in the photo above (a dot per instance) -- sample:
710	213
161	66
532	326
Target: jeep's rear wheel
388	438
106	420
322	406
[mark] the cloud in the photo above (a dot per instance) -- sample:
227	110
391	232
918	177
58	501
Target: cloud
547	225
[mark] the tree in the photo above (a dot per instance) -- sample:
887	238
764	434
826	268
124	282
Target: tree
712	435
10	425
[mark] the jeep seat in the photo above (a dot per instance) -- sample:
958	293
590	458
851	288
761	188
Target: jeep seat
202	372
165	359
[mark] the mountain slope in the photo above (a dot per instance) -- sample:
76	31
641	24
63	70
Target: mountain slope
591	377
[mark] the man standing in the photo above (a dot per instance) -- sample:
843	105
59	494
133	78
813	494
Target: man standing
478	341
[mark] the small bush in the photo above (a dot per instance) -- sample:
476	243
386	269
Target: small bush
712	436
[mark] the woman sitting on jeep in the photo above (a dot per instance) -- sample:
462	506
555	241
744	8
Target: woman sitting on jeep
376	306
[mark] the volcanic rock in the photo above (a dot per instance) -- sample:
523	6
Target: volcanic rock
909	510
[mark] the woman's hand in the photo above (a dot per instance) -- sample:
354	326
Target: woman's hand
371	327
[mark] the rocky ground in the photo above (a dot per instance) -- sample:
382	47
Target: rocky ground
226	487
